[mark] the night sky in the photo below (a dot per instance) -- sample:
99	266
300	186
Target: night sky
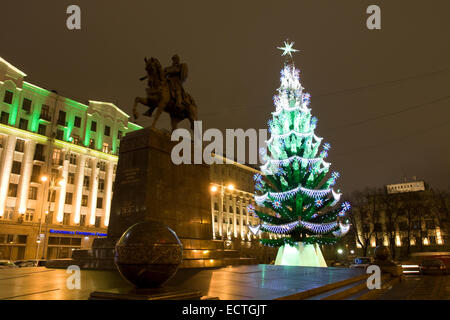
361	80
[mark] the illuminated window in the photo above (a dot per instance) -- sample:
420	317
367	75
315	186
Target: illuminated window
105	148
20	145
84	200
12	190
32	194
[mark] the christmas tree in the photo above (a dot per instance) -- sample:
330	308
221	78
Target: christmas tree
305	210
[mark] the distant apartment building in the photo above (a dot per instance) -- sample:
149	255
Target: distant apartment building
232	190
57	168
414	220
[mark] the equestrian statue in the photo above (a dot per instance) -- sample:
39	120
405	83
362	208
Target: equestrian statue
165	92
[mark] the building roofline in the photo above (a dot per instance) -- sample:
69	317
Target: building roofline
23	74
112	105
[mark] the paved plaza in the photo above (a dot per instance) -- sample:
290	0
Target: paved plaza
234	283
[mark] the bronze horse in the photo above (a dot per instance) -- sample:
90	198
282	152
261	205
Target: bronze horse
159	97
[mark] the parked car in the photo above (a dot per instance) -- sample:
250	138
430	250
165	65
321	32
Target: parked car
361	262
7	264
30	263
433	266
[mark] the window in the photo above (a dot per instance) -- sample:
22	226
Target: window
8	97
101	184
9	211
94	126
216	206
75	139
68	198
22	239
77	122
99	203
29	215
73	158
432	240
26	105
82	221
35	174
42	129
119	135
57	157
20	145
12	190
16	166
92	143
107	131
66	218
23	124
45	112
105	148
71	178
62	118
59	134
84	200
102	165
98	220
39	152
52	195
86	181
215	218
4	118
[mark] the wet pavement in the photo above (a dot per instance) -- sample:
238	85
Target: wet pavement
234	283
417	287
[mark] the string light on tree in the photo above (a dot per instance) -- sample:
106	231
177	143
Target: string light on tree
294	183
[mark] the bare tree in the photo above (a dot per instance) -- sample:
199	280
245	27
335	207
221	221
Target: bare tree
391	205
440	203
363	217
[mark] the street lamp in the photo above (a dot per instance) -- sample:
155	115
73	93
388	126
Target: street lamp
214	188
340	251
54	183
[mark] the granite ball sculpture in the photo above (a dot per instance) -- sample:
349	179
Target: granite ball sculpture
148	254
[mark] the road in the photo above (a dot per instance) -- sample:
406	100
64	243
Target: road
417	287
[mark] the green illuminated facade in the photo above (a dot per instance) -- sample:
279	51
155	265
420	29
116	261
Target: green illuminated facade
74	146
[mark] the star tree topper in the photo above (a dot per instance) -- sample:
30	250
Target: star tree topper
287	49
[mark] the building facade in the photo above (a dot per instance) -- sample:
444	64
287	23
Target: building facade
405	218
57	158
232	190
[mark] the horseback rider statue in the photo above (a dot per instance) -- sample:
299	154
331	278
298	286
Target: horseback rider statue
165	92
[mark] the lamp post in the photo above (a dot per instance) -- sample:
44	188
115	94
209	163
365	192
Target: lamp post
221	188
50	185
